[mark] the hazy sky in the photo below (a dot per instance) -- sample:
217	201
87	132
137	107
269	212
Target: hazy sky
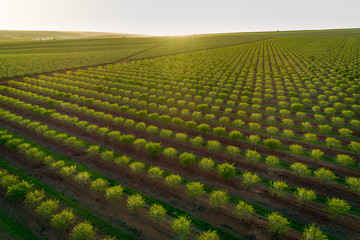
170	17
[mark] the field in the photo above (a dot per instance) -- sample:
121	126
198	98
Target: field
227	136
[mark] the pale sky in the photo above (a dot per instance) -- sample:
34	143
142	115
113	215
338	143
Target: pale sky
174	17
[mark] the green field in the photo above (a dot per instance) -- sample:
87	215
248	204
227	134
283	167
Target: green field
218	136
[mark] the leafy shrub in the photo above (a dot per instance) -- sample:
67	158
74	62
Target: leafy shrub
243	210
114	193
153	148
48	208
122	161
337	207
354	183
135	202
93	150
344	160
218	198
354	146
278	224
155	173
181	136
139	143
297	149
136	167
203	128
170	152
313	233
157	211
304	196
173	180
82	231
181	226
18	191
213	145
208	235
206	164
33	199
63	219
197	141
82	177
187	158
127	139
272	161
249	179
300	169
332	142
254	139
107	156
9	180
220	131
226	170
272	143
278	187
236	135
324	175
194	189
99	185
344	132
310	137
316	154
252	155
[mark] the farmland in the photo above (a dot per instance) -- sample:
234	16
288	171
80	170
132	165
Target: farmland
228	136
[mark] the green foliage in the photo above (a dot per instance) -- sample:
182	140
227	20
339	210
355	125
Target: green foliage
206	164
170	152
153	148
135	202
82	231
122	161
354	146
324	175
272	161
226	170
272	143
33	199
235	135
99	185
233	151
155	173
316	154
48	208
252	155
354	183
278	188
187	158
114	193
249	179
9	180
136	167
181	226
344	160
157	211
173	180
218	198
304	196
213	145
313	233
18	191
254	139
204	128
278	224
208	235
197	141
194	189
243	210
337	207
300	169
63	219
296	149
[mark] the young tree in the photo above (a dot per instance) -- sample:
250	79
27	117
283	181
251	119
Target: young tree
181	226
18	191
324	175
272	161
226	170
354	183
187	158
63	219
135	202
316	154
81	231
114	193
48	208
153	148
206	164
278	187
304	196
194	189
278	224
155	173
337	207
157	211
218	198
243	210
313	233
300	169
249	178
33	199
208	235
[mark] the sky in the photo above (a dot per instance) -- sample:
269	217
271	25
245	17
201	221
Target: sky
173	17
